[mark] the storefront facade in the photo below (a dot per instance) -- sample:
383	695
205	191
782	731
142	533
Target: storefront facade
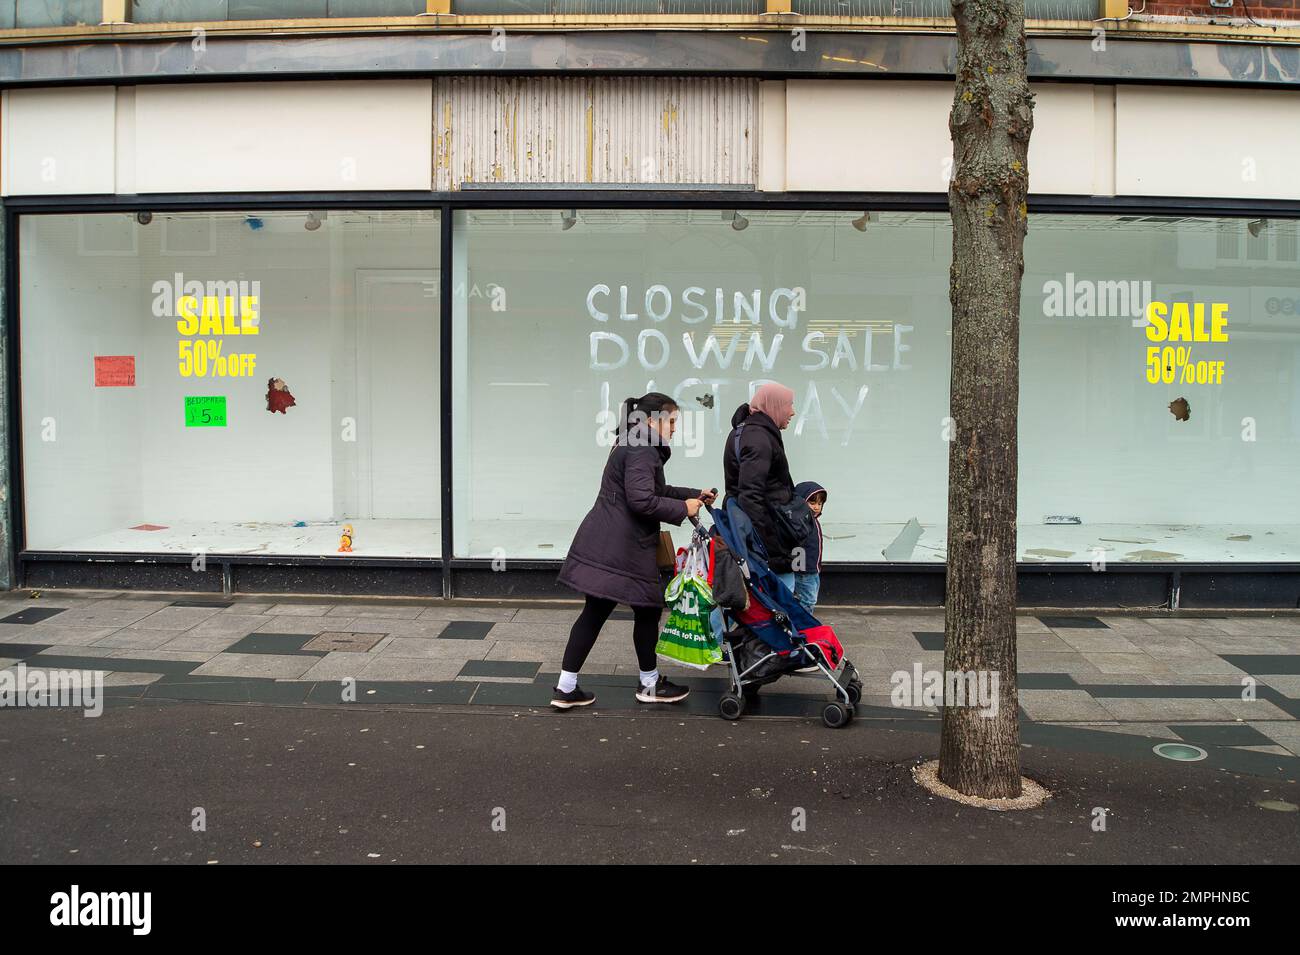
247	317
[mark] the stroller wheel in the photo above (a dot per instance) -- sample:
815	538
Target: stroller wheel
836	715
731	707
855	691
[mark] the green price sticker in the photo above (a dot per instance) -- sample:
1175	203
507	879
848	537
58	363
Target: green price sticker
205	411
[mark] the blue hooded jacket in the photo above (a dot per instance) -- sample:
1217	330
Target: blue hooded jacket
812	545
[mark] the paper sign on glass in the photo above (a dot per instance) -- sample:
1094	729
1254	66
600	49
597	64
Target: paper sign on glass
205	411
114	371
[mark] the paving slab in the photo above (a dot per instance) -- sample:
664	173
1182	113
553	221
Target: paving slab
393	611
1166	710
1288	684
301	610
883	639
67	636
546	615
254	665
1126	663
1129	627
1252	643
489	614
338	665
197	639
127	678
1260	626
418	648
1182	626
1097	641
517	632
175	618
1255	709
76	651
1207	665
1285	734
1062	705
239	624
248	607
96	616
162	653
310	625
364	624
127	639
410	669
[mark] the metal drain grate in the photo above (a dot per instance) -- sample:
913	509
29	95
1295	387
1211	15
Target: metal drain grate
343	640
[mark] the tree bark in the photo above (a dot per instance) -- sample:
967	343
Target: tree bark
990	123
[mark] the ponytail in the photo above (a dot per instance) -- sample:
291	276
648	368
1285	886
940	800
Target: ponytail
625	411
637	411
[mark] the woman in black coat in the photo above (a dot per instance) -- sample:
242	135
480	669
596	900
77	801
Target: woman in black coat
612	559
759	475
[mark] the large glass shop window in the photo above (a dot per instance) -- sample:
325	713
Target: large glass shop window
1137	444
231	383
564	313
1160	390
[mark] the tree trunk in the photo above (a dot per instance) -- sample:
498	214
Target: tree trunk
992	117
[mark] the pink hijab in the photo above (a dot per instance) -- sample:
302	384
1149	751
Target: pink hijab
774	400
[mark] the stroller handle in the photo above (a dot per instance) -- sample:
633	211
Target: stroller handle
694	519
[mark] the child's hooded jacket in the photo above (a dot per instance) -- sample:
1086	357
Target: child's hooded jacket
812	545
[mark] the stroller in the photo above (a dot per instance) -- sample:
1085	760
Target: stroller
774	635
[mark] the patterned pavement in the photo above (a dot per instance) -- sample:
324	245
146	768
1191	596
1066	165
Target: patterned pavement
1227	684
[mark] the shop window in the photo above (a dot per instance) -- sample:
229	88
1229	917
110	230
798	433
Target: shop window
563	313
231	426
559	314
1193	468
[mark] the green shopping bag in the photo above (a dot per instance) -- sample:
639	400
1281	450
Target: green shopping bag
687	636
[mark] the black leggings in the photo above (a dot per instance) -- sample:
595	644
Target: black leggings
645	633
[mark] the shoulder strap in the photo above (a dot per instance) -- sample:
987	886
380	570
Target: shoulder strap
739	428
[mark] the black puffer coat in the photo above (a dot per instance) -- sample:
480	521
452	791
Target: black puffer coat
613	552
759	479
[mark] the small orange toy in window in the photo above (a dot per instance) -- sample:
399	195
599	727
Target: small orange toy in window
278	397
345	541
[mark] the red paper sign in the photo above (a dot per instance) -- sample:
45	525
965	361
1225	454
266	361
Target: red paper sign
114	371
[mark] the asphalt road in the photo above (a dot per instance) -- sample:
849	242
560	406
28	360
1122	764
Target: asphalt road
372	785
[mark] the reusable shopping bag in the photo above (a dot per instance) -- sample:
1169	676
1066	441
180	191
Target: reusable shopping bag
687	636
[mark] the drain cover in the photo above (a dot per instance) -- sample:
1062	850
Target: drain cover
344	641
1180	752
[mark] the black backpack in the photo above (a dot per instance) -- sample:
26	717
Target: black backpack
793	518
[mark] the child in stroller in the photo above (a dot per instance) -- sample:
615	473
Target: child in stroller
767	632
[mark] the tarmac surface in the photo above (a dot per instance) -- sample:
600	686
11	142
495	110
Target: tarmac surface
370	784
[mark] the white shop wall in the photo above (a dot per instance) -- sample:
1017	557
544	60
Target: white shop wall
333	136
1238	144
799	135
893	137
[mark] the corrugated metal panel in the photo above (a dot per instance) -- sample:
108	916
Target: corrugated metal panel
623	130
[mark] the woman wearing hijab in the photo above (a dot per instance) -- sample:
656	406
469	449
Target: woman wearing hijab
612	557
758	473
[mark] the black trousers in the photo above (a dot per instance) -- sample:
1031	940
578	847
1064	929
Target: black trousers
645	633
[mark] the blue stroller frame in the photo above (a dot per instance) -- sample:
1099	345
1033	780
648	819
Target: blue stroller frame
780	635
